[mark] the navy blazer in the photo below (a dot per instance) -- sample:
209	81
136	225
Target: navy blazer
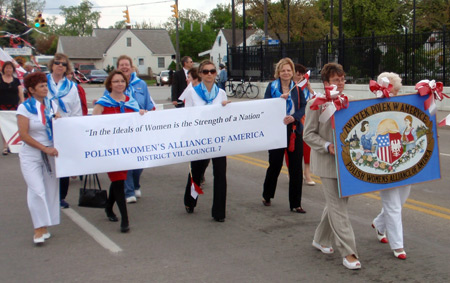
299	101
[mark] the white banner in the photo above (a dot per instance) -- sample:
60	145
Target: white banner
8	125
105	143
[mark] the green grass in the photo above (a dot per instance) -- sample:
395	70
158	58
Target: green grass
150	82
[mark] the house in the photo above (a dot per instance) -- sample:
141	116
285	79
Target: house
150	49
218	52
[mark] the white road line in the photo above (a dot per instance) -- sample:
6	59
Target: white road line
445	154
98	236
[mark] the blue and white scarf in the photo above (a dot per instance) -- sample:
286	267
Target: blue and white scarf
107	101
275	87
30	105
204	94
134	79
58	94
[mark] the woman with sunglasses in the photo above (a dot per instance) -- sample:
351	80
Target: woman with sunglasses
285	87
37	155
207	93
115	101
65	93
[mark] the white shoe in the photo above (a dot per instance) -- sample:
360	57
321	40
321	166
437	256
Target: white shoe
131	199
47	235
137	193
39	240
351	265
325	250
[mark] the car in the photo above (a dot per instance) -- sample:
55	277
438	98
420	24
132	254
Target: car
43	69
163	78
97	76
84	68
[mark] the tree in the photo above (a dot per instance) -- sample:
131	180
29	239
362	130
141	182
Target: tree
79	20
432	15
14	27
306	19
221	17
192	41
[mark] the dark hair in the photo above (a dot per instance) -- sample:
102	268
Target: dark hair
33	79
331	69
124	57
184	60
8	63
194	74
299	68
108	81
363	125
57	57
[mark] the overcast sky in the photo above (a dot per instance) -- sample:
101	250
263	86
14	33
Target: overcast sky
154	11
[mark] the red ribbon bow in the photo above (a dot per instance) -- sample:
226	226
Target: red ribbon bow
433	90
340	101
375	87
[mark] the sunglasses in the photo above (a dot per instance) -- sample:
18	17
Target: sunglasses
212	71
60	63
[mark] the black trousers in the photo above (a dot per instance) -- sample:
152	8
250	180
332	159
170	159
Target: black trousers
63	187
276	157
117	195
220	184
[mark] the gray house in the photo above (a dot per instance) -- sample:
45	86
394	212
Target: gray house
150	49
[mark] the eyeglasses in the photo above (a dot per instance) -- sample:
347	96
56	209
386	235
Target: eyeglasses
337	81
212	71
190	62
118	82
60	63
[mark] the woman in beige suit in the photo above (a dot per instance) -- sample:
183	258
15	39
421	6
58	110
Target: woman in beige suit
335	224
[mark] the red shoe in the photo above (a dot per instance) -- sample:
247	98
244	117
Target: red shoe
381	237
400	255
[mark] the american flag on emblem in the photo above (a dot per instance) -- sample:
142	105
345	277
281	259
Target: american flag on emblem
390	147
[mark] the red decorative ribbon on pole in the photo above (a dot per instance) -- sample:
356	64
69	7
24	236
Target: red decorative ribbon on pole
381	88
434	91
331	102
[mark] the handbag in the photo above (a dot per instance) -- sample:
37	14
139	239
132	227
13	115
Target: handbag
91	196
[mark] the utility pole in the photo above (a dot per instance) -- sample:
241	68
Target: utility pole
288	21
176	16
233	25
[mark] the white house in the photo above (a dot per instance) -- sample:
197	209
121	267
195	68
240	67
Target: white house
218	52
150	49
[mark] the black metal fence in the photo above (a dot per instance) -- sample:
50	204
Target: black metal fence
413	56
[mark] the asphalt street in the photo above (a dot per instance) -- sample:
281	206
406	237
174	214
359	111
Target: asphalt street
254	244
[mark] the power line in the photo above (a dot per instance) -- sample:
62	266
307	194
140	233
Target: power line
120	6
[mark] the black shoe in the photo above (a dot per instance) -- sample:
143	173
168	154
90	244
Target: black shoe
189	209
111	216
124	226
219	219
63	204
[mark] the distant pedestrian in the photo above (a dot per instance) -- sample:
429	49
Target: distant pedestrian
180	81
223	76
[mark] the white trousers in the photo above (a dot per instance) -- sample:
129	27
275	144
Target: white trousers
390	218
43	190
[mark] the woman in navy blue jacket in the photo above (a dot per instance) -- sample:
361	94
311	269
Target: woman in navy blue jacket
283	86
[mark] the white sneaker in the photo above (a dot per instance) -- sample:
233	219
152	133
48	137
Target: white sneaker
137	193
131	200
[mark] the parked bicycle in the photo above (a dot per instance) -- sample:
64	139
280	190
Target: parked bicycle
247	88
230	88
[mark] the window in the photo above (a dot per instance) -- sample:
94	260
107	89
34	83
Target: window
128	41
114	63
141	61
161	62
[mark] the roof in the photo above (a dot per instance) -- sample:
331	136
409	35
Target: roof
93	47
228	33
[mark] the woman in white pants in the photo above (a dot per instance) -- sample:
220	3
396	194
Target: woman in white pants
34	119
390	218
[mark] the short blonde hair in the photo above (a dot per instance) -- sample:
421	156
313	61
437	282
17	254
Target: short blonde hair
57	57
281	63
394	80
